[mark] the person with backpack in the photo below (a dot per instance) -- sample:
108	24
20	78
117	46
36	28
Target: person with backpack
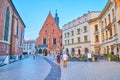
58	58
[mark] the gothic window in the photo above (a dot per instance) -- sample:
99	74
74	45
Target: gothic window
53	30
44	41
21	37
7	20
17	28
54	40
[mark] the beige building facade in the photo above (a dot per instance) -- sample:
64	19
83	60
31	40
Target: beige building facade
105	29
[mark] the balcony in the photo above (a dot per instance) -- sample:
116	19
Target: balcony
110	37
96	32
115	35
109	25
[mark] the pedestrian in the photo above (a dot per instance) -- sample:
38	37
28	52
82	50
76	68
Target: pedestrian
58	58
33	56
65	60
89	56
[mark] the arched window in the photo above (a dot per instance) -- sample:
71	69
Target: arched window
7	20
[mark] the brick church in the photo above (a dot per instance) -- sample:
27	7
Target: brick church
50	36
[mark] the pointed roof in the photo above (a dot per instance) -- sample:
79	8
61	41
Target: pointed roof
48	20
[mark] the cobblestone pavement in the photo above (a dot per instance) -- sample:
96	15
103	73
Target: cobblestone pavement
101	70
26	69
55	73
46	69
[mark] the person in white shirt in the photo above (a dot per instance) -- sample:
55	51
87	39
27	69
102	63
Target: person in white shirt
89	55
65	59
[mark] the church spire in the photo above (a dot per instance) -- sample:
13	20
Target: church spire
56	19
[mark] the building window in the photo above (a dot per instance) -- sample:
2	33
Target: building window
7	20
65	42
53	30
85	29
72	41
110	32
96	27
103	36
30	47
68	41
78	39
109	19
113	14
78	31
105	22
106	35
102	24
72	33
85	38
96	38
115	31
65	35
21	37
54	41
44	41
17	28
68	34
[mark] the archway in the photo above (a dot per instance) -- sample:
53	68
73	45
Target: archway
79	52
45	52
86	50
72	51
40	51
67	50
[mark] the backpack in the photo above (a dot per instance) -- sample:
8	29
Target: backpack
58	57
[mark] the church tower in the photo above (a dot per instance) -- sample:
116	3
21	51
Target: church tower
56	19
50	36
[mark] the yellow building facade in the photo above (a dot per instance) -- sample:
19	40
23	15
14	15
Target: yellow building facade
105	29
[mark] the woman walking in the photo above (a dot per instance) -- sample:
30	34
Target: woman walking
65	60
58	60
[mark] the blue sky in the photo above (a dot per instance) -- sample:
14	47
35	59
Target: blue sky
34	12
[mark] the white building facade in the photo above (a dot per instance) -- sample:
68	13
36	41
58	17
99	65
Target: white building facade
76	34
29	47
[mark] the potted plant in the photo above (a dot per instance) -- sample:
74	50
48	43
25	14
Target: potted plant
108	56
114	57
